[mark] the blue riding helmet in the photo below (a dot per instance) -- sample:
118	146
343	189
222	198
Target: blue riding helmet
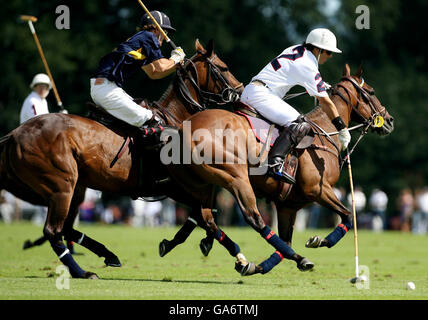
160	17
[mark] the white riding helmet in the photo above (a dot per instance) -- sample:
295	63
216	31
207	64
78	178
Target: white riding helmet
324	39
41	78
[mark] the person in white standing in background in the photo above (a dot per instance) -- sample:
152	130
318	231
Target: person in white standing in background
35	104
378	202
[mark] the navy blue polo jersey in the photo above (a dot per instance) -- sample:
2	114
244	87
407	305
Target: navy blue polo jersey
140	49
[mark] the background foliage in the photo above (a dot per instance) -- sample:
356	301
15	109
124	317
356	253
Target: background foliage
247	34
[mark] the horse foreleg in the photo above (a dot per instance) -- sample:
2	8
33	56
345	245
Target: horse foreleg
329	200
166	246
286	220
38	242
206	220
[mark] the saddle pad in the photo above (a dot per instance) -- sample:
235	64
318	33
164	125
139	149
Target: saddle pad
260	128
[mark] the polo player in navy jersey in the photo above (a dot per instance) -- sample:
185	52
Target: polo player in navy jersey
142	50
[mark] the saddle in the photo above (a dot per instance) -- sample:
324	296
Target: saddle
144	151
267	132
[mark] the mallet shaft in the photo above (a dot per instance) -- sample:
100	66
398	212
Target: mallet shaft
354	216
48	71
167	39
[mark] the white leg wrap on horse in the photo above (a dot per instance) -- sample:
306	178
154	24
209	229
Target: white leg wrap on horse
64	253
241	258
81	239
192	220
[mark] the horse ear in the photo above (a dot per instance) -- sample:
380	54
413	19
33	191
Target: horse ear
210	48
347	71
199	47
359	72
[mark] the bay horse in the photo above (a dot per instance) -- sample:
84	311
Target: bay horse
51	159
318	168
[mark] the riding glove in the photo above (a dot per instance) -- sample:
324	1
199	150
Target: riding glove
344	138
177	55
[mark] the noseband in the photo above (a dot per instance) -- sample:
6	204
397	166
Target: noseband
228	93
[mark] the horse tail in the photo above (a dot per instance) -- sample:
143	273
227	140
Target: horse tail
3	142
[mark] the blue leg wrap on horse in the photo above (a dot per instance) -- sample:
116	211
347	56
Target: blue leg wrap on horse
277	243
337	234
226	242
67	259
271	262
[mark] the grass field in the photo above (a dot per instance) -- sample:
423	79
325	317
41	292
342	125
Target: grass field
393	259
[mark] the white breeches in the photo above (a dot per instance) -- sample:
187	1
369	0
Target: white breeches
118	103
269	105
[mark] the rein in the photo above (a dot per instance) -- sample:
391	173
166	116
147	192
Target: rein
228	95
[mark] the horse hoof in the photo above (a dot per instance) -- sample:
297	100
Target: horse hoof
27	244
112	261
163	247
246	270
205	246
305	265
90	275
313	242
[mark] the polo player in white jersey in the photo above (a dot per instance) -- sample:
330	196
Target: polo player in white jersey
296	65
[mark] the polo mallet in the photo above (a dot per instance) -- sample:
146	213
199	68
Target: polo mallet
167	39
30	20
354	216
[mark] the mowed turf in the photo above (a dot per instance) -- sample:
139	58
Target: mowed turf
393	259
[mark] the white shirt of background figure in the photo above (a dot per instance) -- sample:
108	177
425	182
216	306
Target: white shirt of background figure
35	104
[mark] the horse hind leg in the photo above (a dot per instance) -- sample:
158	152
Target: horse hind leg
329	200
246	198
58	208
82	239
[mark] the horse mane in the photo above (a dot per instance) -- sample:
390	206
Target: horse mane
315	113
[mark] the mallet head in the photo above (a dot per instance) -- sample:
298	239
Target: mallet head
28	18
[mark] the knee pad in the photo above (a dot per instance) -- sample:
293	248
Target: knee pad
299	131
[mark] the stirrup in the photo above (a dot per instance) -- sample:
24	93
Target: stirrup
279	174
282	176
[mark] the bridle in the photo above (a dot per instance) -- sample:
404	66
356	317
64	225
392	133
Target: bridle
376	118
375	121
227	95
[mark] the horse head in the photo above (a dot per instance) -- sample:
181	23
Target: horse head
366	107
210	79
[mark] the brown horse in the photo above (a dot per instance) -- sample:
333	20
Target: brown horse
51	159
318	169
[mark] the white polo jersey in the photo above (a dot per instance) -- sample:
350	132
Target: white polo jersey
294	66
33	106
